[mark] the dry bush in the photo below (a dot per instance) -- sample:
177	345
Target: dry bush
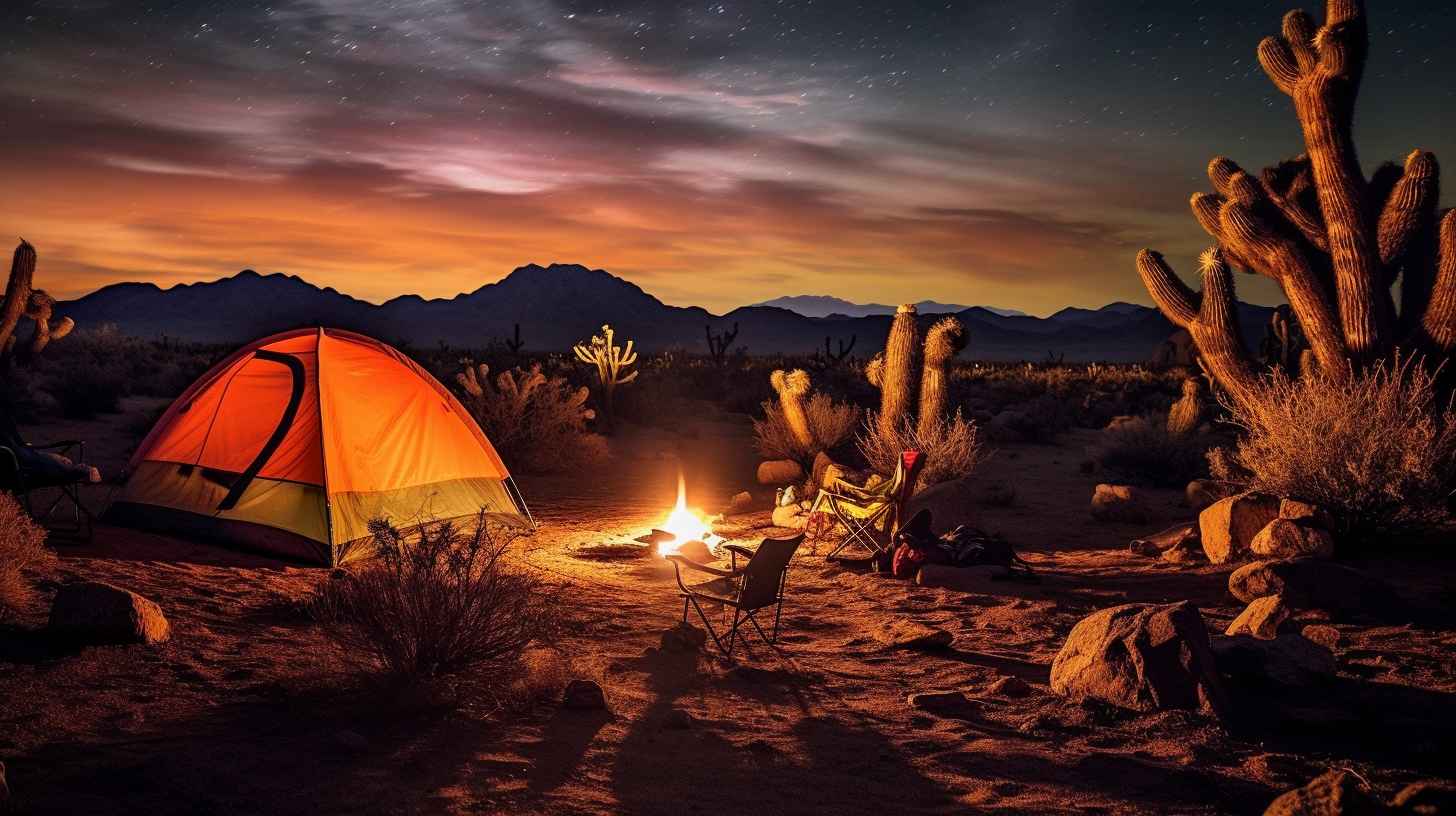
830	423
1375	449
537	423
1142	450
22	551
952	448
438	600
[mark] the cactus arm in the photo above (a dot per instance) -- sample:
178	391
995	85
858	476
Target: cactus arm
1438	324
17	291
1283	184
944	341
1409	208
1324	94
1210	317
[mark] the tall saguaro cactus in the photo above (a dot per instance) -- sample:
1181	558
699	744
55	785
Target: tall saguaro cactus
894	371
1334	242
22	300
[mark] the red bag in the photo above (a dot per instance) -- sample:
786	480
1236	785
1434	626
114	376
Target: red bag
909	559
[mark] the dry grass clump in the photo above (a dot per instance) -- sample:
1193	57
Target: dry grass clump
1143	450
831	424
435	601
537	423
22	551
1376	449
952	447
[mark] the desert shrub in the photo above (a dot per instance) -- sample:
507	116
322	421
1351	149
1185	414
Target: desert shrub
1142	450
537	423
830	423
22	553
1376	449
84	388
437	600
952	448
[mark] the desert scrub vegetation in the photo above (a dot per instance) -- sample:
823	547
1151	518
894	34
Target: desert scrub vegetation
537	423
1376	449
952	448
1145	450
800	425
435	601
23	554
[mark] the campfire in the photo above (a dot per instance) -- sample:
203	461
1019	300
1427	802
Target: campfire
683	526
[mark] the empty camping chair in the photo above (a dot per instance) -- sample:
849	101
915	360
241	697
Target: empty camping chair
25	468
753	588
870	516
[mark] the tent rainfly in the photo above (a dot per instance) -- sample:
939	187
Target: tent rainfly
295	442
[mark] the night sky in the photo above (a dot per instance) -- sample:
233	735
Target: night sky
1015	154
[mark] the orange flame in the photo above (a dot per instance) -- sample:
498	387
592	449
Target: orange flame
683	523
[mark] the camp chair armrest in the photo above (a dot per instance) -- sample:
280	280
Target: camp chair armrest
64	447
746	552
693	565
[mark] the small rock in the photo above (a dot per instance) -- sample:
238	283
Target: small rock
790	517
1228	526
740	503
907	634
937	700
1282	538
677	720
1201	493
1286	660
1337	793
102	613
1123	421
1273	769
696	551
684	637
780	472
1008	686
1119	503
1261	618
1142	657
584	695
1304	512
1323	634
1429	797
1187	553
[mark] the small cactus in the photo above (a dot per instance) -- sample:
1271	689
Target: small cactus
611	361
718	344
792	387
22	300
1188	412
514	342
945	340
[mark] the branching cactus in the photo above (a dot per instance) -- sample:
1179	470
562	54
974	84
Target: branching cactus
720	343
1334	242
611	361
21	300
895	371
792	387
944	341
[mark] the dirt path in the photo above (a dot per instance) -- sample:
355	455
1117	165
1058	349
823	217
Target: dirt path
243	712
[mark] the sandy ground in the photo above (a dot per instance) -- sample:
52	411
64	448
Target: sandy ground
244	711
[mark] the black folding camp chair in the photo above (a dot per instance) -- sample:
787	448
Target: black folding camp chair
754	588
22	481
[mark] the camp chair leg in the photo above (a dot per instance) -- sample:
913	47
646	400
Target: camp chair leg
706	624
778	610
733	633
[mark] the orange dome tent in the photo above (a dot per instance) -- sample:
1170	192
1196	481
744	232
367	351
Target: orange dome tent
294	443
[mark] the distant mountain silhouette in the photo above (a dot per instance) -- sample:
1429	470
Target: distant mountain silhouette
830	306
564	303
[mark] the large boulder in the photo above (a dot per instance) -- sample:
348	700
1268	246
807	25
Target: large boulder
1142	657
1284	538
1118	503
1228	526
1261	619
102	613
1336	793
1286	660
1315	583
780	472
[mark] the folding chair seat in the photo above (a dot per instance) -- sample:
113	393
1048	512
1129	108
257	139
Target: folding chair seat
869	516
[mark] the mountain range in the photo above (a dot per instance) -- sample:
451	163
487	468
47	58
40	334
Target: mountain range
830	306
561	304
